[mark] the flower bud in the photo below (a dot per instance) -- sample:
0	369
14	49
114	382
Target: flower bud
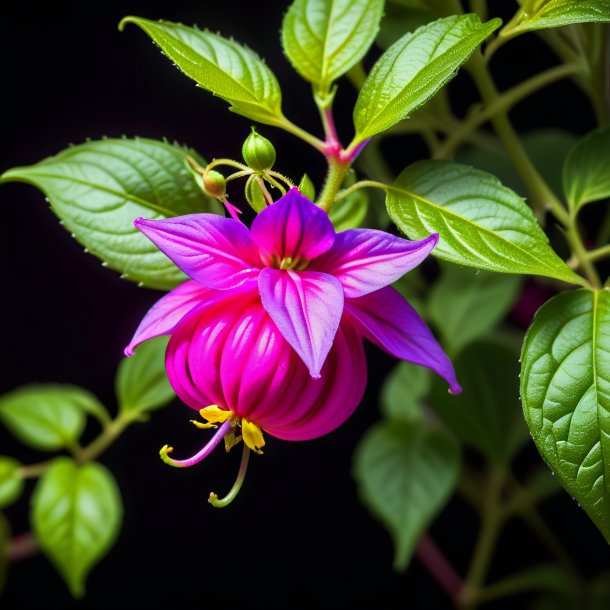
214	184
254	195
306	188
258	152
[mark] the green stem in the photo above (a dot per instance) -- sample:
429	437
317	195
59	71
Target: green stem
332	184
239	481
360	185
599	253
491	521
502	104
297	131
580	252
108	435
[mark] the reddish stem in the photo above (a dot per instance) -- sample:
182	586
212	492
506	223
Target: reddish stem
23	547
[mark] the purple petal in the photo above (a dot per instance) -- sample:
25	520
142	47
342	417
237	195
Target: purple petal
365	260
213	250
292	228
164	315
386	319
306	307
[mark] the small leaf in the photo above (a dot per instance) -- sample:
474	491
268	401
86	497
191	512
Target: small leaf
481	223
406	473
141	381
47	416
222	66
541	14
414	68
350	212
486	415
565	391
586	173
99	188
76	514
465	304
323	39
402	390
11	483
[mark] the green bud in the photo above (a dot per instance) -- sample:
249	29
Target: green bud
258	152
214	184
306	188
254	195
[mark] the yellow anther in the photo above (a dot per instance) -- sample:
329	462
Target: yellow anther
231	439
253	436
202	425
215	414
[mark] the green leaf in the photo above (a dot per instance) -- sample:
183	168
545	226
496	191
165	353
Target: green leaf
541	14
350	212
586	173
47	416
222	66
406	473
486	415
141	381
565	391
76	514
11	483
465	304
414	68
99	188
481	223
402	391
323	39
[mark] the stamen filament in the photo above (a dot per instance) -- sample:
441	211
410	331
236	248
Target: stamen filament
200	455
241	475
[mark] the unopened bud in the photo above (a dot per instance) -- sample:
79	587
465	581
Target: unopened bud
258	152
214	184
254	195
306	188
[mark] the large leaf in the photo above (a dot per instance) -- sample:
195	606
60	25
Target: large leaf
541	14
11	483
481	223
76	514
227	69
486	415
99	188
464	304
402	390
141	381
586	172
565	391
406	474
47	416
323	39
414	68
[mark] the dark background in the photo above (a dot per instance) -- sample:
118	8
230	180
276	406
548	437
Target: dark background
297	536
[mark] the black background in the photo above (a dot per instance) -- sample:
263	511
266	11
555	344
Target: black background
297	536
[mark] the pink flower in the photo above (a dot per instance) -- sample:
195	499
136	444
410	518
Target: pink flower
269	329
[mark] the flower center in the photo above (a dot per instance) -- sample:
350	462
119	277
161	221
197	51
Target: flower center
288	263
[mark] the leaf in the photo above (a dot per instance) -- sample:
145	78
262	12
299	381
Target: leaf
350	212
586	174
414	68
47	416
402	390
99	188
76	514
222	66
481	223
323	39
465	304
565	391
406	473
541	14
141	381
486	415
11	483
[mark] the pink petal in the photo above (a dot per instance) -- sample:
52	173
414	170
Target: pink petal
211	249
292	228
165	314
390	322
364	260
306	307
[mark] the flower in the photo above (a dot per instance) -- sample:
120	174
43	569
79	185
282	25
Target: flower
268	332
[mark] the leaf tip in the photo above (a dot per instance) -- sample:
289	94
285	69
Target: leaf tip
126	20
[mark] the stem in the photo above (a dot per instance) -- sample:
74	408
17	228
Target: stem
594	255
239	481
542	196
332	184
297	131
360	185
108	435
573	237
439	567
503	103
491	520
